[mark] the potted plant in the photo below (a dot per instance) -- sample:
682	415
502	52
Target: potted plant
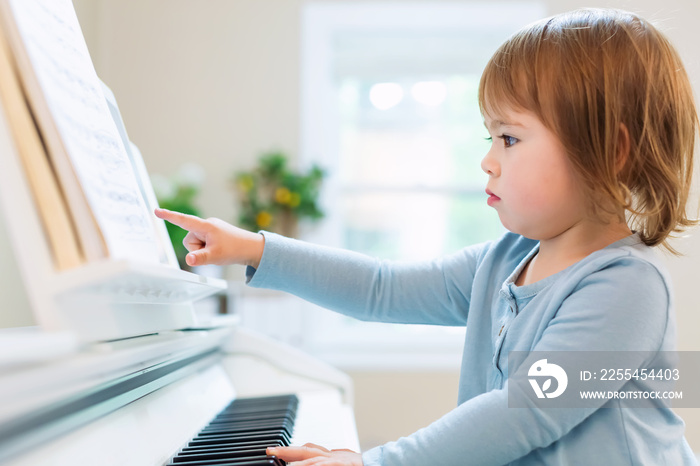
274	197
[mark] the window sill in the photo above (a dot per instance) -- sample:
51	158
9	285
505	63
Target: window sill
349	345
384	361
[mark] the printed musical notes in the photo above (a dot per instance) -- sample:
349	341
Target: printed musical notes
80	135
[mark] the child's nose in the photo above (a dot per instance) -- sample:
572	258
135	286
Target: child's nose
489	165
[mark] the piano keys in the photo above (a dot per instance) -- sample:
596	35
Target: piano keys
241	432
151	429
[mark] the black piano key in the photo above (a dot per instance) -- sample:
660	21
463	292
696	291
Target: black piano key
286	425
253	444
234	461
263	417
240	434
247	427
248	424
265	403
243	437
225	454
233	420
289	406
252	414
268	415
237	448
278	436
271	434
270	461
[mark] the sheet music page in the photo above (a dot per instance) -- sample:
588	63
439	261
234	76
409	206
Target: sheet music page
166	251
60	58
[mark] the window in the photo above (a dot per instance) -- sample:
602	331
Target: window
389	107
409	179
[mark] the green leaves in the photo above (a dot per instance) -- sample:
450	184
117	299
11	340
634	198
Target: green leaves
274	197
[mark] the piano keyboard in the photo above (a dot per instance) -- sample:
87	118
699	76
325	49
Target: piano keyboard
240	433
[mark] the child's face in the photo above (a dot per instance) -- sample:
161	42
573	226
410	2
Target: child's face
535	188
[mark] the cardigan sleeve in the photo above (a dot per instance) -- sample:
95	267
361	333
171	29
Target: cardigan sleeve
430	292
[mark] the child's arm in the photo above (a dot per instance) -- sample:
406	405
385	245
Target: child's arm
435	292
416	292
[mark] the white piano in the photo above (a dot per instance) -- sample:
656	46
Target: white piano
140	401
118	368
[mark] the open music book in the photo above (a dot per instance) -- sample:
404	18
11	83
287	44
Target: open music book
74	191
87	181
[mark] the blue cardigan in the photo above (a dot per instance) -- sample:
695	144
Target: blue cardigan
616	299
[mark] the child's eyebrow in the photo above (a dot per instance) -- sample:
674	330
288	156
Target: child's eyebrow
499	123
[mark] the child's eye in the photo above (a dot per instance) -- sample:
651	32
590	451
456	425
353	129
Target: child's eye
508	140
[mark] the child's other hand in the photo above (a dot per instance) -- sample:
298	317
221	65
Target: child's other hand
213	241
311	454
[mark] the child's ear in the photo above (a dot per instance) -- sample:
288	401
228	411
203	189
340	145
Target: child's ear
623	148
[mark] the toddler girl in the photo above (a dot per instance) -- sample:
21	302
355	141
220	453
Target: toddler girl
592	123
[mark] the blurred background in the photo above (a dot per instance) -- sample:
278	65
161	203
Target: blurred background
238	103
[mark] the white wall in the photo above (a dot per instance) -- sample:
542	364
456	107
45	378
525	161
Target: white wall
218	82
215	82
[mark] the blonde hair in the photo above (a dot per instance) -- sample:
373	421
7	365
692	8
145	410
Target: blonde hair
613	90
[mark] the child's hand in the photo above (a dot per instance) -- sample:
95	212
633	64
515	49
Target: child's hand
213	241
311	454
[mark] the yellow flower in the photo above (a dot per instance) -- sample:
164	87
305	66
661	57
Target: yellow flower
294	200
246	183
263	219
282	195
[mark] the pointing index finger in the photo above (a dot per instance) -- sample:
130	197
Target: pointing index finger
188	222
